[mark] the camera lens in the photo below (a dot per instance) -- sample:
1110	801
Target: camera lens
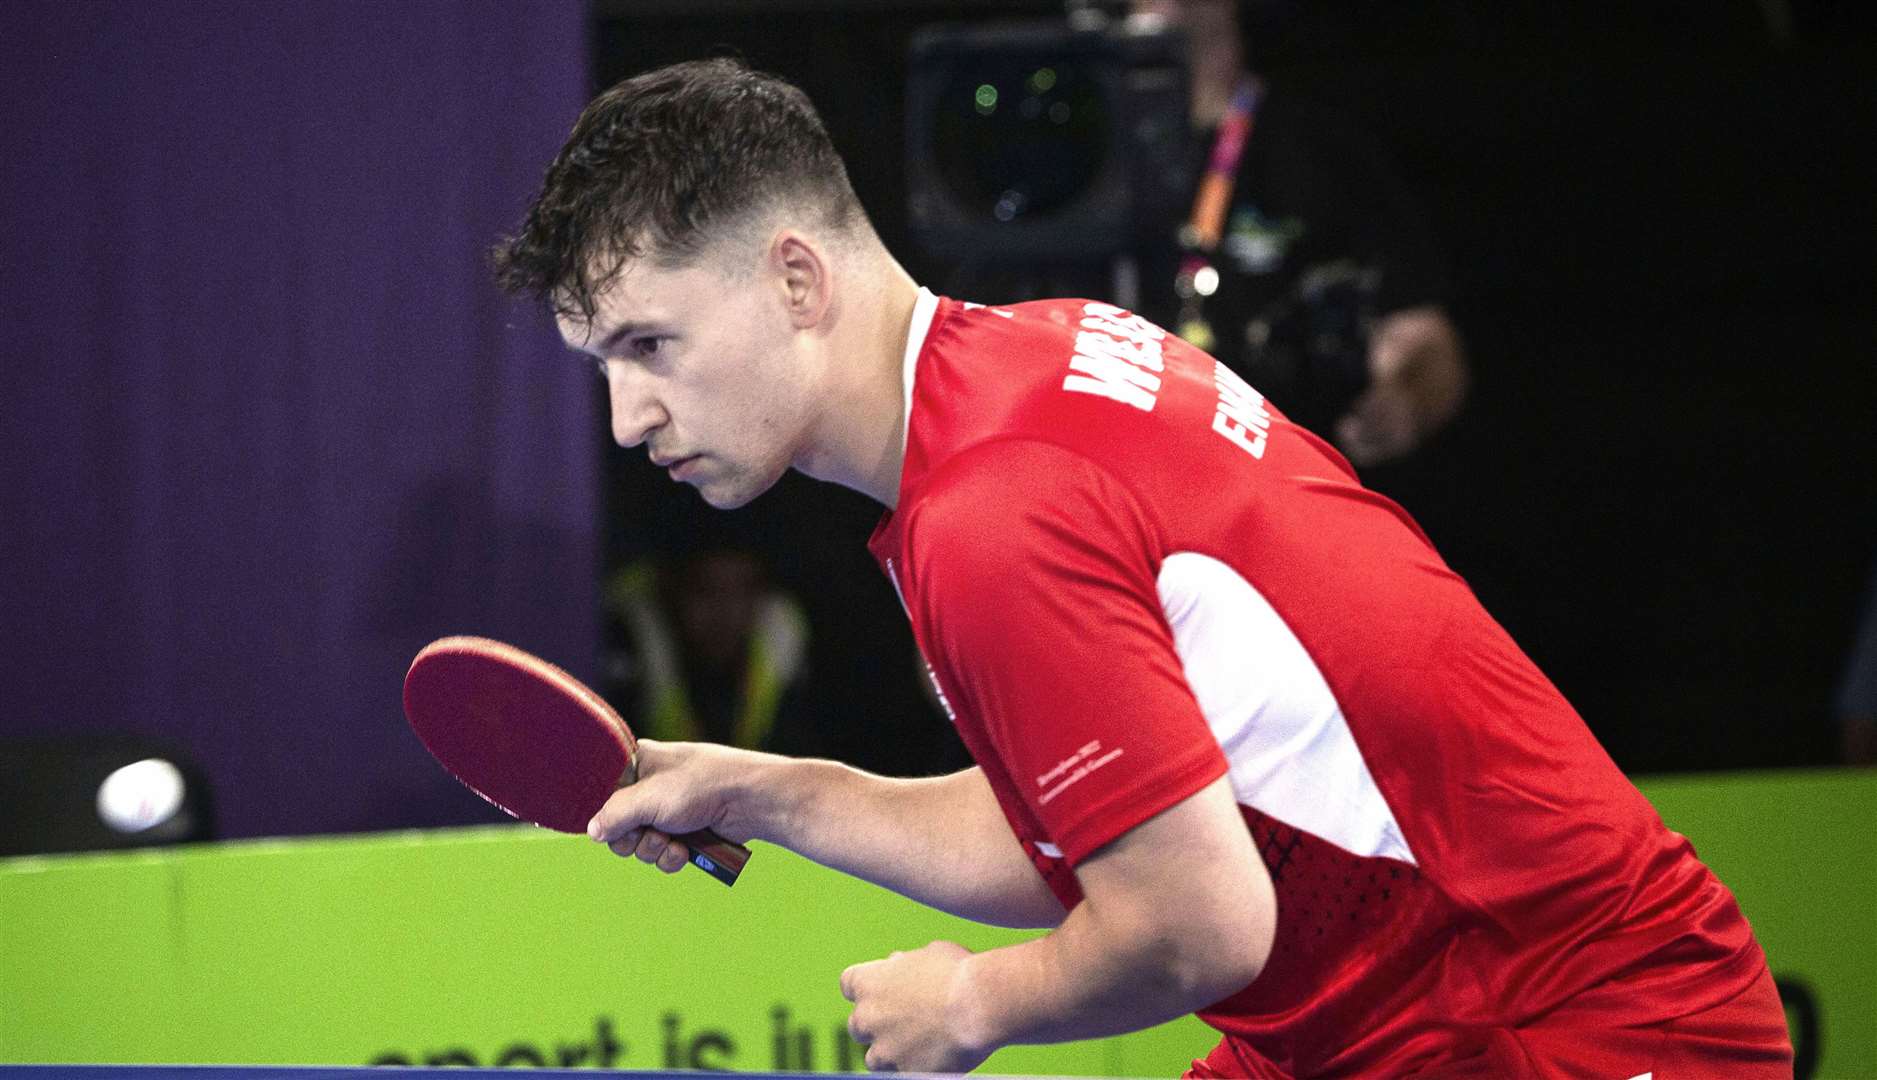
1019	139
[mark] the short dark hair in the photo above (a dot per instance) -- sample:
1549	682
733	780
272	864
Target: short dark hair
658	165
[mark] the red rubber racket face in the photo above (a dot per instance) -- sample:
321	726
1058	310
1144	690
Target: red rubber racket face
518	731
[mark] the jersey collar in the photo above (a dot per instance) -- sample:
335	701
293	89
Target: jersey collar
923	311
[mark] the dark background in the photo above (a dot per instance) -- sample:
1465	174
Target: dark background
268	427
1660	225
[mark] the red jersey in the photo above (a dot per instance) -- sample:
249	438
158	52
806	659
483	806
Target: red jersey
1131	576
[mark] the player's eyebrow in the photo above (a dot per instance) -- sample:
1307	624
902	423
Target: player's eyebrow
616	335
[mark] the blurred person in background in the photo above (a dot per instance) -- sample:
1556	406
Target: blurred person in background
1305	265
701	645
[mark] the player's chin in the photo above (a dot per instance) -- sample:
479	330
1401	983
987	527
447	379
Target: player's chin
733	490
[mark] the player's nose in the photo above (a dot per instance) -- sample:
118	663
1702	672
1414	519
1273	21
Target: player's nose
636	412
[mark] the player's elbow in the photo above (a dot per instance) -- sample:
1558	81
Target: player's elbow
1203	921
1194	950
1222	928
1216	955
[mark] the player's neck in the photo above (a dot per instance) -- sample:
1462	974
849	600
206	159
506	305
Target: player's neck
859	440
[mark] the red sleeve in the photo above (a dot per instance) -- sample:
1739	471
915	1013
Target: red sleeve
1035	594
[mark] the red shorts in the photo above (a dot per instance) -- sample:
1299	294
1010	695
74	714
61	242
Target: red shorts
1742	1039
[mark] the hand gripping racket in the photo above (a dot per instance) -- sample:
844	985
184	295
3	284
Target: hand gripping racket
532	740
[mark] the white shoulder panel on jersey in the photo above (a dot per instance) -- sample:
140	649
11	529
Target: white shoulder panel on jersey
1290	751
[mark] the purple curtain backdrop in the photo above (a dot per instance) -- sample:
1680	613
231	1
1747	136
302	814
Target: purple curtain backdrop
269	427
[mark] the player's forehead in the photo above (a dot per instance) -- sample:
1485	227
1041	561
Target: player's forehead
664	289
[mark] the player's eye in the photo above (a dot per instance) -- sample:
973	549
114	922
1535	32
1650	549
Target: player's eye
645	348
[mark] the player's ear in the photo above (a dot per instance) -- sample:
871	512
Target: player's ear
801	266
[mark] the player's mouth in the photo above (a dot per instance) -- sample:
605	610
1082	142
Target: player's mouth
679	466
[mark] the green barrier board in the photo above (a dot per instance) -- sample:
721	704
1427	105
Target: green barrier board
514	946
483	946
1799	851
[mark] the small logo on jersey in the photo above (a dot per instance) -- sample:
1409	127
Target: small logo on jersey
939	692
892	575
1117	356
1074	768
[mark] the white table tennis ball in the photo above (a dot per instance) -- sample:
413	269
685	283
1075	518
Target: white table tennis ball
140	796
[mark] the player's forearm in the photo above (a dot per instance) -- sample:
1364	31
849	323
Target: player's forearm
1089	980
941	841
1179	913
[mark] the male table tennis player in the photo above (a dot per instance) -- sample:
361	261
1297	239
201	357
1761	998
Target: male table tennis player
1242	739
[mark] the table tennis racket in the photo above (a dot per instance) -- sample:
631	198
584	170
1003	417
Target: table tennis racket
533	740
